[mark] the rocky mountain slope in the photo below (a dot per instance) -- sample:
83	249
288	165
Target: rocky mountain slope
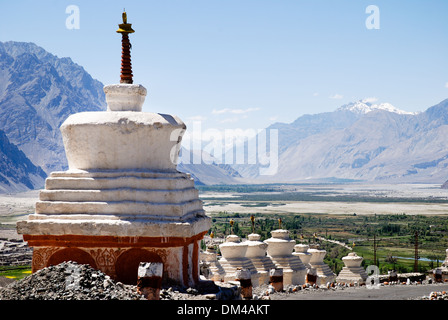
38	91
17	172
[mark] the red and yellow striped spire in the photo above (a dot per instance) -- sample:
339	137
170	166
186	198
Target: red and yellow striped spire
126	66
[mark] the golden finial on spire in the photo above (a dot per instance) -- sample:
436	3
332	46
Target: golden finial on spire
125	17
125	27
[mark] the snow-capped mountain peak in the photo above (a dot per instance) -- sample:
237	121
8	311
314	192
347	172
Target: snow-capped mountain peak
366	106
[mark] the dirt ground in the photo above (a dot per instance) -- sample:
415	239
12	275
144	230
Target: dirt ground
15	207
389	292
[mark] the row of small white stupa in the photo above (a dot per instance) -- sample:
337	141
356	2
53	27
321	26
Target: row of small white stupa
298	262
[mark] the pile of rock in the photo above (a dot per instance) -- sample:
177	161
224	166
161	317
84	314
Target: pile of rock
68	281
205	291
268	292
403	278
73	281
436	295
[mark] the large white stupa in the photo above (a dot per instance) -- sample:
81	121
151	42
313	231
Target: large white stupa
122	200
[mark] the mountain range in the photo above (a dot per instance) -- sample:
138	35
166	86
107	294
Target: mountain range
209	171
360	141
38	91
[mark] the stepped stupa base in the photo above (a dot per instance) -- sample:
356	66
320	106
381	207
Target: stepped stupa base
294	272
230	267
352	275
263	265
115	219
324	274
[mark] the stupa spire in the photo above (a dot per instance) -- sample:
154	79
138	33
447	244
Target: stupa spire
126	66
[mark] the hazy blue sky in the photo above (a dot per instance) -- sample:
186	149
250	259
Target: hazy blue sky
248	63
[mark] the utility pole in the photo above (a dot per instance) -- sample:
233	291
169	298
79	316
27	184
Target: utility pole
374	249
416	252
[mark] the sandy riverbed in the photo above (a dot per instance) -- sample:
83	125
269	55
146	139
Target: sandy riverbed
360	208
404	200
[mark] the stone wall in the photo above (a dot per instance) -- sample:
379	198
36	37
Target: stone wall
14	252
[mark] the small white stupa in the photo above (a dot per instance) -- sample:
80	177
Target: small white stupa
256	253
440	274
352	272
301	250
445	263
323	271
280	248
212	268
233	253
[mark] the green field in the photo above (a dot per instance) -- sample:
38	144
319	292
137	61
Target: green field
15	272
